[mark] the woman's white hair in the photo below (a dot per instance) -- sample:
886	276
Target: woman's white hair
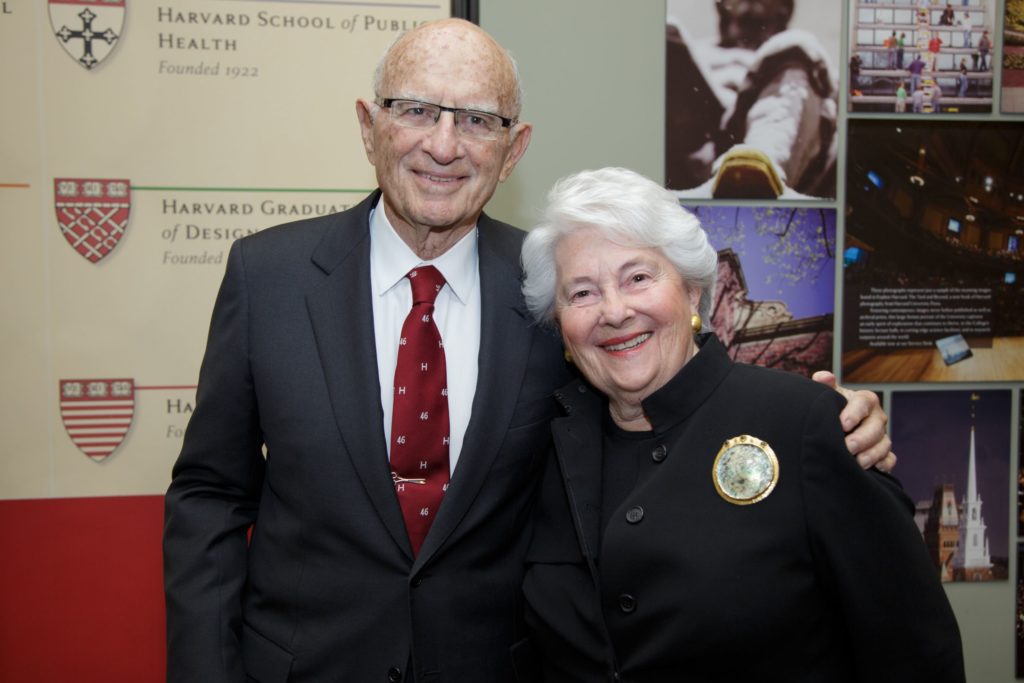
627	209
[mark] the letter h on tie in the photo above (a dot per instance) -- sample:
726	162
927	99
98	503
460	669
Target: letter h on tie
419	421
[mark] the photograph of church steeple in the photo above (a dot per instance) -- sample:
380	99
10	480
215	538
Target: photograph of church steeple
954	451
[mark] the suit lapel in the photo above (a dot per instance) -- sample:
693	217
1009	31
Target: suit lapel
505	339
578	449
341	311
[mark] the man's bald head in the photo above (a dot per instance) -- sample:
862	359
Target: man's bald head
437	41
436	175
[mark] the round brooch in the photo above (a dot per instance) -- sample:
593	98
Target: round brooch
745	470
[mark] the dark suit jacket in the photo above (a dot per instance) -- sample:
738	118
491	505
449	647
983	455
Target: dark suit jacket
826	579
328	589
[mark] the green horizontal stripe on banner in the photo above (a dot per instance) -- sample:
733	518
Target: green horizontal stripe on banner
167	388
247	189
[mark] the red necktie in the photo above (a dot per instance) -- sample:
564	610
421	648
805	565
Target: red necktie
419	421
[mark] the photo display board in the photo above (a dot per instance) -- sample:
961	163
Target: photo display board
873	151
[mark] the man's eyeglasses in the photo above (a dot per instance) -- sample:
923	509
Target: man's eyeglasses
482	125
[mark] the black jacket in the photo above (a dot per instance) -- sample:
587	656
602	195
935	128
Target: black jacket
329	590
825	579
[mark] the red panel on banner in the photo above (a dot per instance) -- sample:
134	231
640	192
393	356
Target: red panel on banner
81	590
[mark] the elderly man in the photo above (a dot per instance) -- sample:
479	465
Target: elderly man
362	368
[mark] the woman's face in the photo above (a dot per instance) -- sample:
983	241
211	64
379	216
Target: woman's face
624	313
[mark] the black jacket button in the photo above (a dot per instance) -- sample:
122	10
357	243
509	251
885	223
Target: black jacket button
659	453
394	675
627	603
634	514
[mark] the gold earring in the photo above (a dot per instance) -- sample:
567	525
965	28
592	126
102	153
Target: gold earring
568	356
695	322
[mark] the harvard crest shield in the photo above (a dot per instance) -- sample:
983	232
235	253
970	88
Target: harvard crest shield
88	30
97	413
92	213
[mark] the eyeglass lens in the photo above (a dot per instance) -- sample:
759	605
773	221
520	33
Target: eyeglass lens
424	115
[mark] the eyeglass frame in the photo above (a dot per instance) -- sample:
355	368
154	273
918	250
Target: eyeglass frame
386	102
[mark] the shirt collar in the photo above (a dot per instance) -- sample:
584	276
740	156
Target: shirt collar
391	258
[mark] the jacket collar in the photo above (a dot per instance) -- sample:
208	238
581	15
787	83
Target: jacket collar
506	337
690	387
579	438
341	313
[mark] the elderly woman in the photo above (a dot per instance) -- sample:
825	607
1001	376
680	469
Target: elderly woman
701	519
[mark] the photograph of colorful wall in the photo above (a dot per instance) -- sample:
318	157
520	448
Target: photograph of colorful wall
921	57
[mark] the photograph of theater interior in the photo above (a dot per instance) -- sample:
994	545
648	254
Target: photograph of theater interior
935	221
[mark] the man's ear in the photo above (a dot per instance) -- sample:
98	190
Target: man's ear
365	112
521	134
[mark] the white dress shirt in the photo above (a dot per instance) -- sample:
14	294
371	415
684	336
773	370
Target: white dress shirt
456	314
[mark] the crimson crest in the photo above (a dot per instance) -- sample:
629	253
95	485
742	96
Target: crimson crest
92	213
88	30
97	413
